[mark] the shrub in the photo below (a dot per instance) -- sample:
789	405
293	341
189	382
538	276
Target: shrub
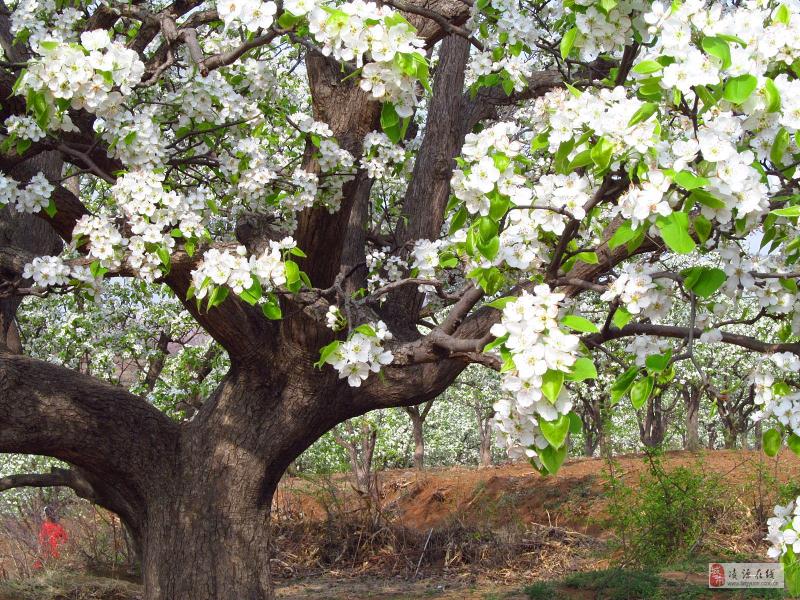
667	516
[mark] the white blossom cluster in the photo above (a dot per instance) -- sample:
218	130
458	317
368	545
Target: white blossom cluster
362	353
783	530
646	201
39	21
211	99
537	346
520	246
784	407
425	255
679	28
34	197
96	76
642	346
740	267
106	243
481	153
637	291
370	36
606	31
606	113
24	127
49	271
334	319
380	155
235	270
384	267
252	14
152	213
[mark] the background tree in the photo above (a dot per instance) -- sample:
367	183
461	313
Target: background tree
418	416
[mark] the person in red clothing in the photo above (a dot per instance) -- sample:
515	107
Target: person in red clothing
51	535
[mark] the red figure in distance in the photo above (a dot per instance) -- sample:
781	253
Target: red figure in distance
51	535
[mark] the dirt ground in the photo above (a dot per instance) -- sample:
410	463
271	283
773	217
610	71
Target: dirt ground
562	514
517	492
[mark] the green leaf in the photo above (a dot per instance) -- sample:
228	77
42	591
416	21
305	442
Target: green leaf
501	303
390	122
252	294
771	442
50	209
789	211
601	153
555	432
646	67
552	458
791	571
621	317
287	20
640	391
702	227
779	147
706	199
623	383
718	47
674	231
366	330
704	281
656	363
645	111
689	181
575	423
458	220
772	96
579	324
590	258
794	443
552	381
494	344
622	235
738	89
163	255
582	369
217	296
580	160
326	352
292	275
567	42
782	15
272	308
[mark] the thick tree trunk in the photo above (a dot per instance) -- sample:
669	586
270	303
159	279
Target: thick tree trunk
200	546
206	531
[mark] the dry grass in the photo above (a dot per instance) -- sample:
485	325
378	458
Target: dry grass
55	585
